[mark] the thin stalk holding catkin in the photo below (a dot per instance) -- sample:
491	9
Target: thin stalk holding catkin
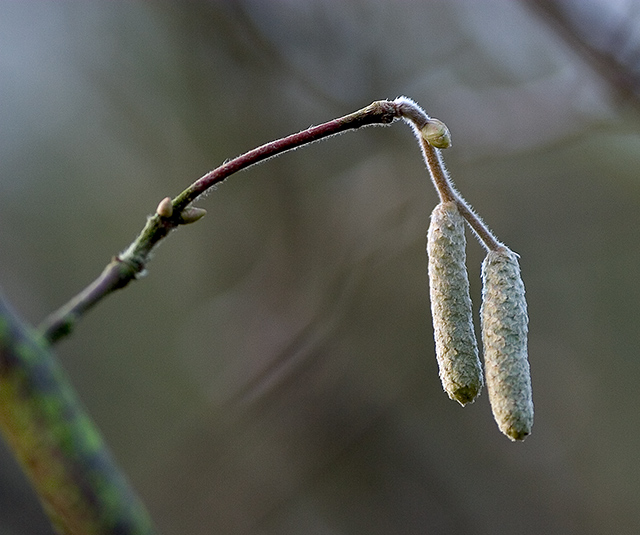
504	336
432	135
455	339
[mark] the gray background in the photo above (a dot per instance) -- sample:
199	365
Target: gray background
274	373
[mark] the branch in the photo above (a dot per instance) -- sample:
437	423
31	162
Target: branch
61	451
178	211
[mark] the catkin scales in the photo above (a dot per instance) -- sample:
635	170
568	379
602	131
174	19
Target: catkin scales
504	338
455	340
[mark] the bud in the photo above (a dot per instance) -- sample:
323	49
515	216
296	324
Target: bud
436	133
165	208
504	337
191	215
456	346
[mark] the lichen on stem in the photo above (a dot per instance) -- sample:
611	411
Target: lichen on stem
77	480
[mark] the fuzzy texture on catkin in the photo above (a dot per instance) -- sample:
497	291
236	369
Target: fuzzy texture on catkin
456	345
504	338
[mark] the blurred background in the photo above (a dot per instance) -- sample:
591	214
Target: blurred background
275	372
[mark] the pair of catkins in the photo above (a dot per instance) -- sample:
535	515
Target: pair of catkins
503	313
503	317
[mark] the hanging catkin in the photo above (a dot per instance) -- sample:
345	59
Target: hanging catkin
504	337
456	346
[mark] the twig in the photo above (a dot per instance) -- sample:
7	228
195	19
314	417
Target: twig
81	487
171	213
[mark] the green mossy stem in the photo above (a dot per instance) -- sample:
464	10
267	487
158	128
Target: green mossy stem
80	486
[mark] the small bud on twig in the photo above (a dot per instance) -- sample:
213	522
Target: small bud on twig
165	208
504	336
436	133
191	215
456	345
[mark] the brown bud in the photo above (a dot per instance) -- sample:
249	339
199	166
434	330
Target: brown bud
456	346
504	337
165	208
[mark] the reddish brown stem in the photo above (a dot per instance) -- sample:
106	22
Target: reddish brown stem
132	262
380	112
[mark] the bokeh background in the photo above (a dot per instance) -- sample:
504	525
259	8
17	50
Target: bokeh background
275	372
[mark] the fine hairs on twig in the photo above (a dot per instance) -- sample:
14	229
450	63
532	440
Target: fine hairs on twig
504	317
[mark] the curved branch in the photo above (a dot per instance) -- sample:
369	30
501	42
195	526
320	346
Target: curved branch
132	262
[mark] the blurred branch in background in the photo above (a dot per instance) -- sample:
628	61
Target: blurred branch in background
605	32
61	451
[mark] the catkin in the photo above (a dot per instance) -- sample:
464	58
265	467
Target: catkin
456	345
504	338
